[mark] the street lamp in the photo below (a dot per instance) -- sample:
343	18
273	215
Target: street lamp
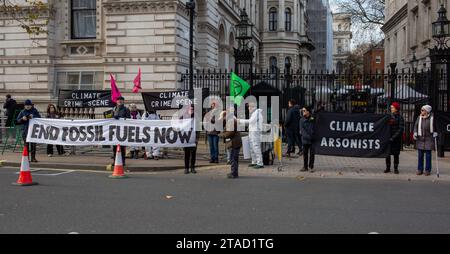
244	30
243	55
441	28
190	6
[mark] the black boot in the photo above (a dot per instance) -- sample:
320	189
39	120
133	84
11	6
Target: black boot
136	155
186	171
193	171
396	170
132	154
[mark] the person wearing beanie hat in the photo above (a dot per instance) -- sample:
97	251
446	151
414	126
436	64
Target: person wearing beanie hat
397	124
24	118
425	135
307	134
120	111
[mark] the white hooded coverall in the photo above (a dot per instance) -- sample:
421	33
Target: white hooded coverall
151	151
255	124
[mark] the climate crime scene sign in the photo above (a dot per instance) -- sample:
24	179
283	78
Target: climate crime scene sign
85	99
352	135
161	133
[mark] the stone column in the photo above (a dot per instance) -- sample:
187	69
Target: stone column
281	16
265	16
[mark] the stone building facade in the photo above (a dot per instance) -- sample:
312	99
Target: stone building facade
408	33
88	39
342	39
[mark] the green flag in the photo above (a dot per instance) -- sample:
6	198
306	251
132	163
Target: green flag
238	89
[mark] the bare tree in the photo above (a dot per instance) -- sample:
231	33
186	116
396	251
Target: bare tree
368	13
33	16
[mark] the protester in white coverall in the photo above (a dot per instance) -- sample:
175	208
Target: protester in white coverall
255	132
151	152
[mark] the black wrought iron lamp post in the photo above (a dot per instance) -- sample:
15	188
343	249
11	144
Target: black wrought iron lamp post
440	62
190	6
244	53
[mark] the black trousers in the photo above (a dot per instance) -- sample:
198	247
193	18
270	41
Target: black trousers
396	161
308	156
59	148
235	161
123	152
190	155
294	139
31	148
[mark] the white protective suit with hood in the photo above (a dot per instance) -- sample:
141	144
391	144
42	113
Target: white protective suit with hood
255	124
151	151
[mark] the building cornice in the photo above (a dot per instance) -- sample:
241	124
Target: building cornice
397	18
135	7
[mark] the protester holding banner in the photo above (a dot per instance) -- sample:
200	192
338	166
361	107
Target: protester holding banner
134	113
53	113
190	153
255	124
292	128
151	152
233	142
120	111
24	118
397	124
425	135
307	133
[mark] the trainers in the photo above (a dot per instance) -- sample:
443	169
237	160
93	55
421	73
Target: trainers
304	170
231	176
49	155
427	173
258	167
419	173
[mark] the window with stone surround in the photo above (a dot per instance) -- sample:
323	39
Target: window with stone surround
79	80
83	13
288	24
273	19
273	64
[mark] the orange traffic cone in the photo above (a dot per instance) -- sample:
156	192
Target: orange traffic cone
25	174
118	166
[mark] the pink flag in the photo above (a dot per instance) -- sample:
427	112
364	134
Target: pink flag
137	82
115	93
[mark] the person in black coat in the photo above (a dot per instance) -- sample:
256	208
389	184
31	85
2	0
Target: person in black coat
9	106
120	111
24	118
397	124
190	153
307	133
292	128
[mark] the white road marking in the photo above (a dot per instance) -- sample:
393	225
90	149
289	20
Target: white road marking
55	174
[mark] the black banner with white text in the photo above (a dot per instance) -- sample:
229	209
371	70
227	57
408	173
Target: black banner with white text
352	135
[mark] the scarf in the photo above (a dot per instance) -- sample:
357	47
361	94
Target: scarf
431	124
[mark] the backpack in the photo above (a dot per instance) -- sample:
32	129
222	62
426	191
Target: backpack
268	157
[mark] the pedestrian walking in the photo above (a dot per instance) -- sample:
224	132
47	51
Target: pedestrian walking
307	133
151	152
53	113
24	118
425	135
135	115
233	140
190	153
292	128
10	107
120	111
212	133
397	124
255	124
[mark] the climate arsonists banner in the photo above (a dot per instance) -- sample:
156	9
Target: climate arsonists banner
170	133
352	135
